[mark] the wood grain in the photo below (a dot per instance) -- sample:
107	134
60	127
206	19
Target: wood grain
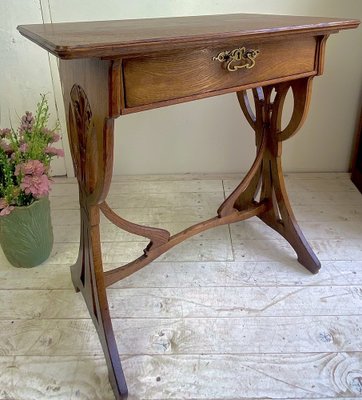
278	250
114	38
192	274
304	213
190	302
162	77
151	187
69	233
151	200
294	376
316	183
90	129
246	335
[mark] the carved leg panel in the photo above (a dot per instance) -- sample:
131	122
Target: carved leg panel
90	132
280	217
88	277
267	175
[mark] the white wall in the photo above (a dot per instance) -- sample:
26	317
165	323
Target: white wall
24	69
210	135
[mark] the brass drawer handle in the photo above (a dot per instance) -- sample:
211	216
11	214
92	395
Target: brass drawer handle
230	57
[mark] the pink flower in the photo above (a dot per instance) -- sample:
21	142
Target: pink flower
23	148
47	131
27	122
5	133
38	186
5	209
55	137
5	146
3	203
53	151
31	167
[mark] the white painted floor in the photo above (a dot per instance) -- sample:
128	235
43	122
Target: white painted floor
229	314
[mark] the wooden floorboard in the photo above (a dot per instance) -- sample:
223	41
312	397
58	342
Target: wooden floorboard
254	376
184	336
189	302
229	314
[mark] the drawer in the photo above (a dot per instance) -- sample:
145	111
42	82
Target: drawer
177	75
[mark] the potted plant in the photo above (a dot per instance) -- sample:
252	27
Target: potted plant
26	234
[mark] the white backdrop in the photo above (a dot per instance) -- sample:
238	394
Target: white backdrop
24	68
207	135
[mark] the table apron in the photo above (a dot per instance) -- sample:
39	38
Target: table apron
157	80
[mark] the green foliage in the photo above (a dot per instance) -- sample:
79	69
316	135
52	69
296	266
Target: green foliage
25	156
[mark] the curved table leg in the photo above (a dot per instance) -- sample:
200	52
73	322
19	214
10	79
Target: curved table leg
267	124
90	130
280	217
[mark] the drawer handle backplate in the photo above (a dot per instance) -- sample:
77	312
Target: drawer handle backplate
237	58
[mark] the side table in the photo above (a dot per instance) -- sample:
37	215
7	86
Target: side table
113	68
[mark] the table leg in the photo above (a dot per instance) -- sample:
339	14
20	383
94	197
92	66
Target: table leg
90	132
268	184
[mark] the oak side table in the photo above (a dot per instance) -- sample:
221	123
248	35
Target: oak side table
114	68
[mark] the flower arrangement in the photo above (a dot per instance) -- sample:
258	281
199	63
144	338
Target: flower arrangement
25	156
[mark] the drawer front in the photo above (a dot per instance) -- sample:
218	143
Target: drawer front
170	76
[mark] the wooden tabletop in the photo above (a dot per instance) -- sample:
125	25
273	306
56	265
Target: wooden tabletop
111	38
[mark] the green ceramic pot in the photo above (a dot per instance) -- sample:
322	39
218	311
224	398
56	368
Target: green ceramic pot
26	234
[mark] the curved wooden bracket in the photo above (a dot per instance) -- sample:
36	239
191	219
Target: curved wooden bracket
269	112
123	271
157	236
267	171
255	120
246	108
302	90
228	206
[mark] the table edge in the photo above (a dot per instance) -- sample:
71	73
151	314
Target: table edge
159	44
